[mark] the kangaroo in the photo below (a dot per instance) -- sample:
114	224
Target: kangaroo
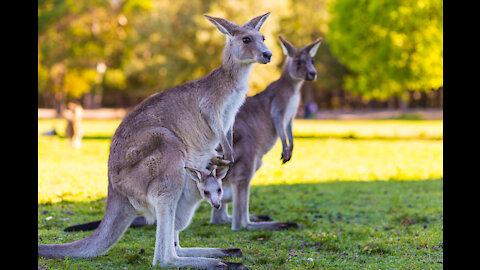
74	129
264	118
206	185
260	122
176	128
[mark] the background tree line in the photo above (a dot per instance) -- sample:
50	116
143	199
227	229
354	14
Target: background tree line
375	54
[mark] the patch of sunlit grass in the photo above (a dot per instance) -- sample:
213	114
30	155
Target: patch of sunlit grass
322	160
380	129
70	174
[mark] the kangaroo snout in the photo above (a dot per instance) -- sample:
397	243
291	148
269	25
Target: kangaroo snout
311	76
216	205
266	57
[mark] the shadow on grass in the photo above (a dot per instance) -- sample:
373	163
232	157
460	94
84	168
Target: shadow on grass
338	202
344	224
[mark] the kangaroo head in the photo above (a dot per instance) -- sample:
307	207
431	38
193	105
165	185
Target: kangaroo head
244	43
299	63
209	183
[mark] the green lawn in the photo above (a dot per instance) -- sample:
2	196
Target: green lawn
333	186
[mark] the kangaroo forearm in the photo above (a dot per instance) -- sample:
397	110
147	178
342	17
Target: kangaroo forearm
281	133
290	135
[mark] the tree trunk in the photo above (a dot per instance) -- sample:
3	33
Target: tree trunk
59	103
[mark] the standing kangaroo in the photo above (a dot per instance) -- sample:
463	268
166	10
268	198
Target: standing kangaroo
74	130
177	128
260	122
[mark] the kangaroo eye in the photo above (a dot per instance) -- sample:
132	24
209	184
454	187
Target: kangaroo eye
206	193
263	39
219	190
313	61
246	40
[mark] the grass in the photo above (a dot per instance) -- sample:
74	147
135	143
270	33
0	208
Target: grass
334	186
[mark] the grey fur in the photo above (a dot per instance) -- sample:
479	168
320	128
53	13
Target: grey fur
179	127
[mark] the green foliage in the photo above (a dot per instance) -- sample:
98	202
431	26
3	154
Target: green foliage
151	45
389	46
75	36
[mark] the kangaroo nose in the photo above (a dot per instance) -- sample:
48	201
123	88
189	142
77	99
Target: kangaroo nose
267	55
217	205
311	75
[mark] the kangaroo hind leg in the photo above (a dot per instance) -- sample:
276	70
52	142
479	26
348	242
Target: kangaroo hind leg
204	252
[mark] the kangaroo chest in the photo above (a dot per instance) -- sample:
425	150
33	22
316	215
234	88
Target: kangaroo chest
291	108
232	105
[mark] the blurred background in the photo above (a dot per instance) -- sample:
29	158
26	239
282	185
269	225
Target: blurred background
374	112
366	176
376	54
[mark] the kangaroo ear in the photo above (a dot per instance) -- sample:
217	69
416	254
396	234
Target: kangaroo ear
195	174
221	171
225	27
313	47
287	47
257	22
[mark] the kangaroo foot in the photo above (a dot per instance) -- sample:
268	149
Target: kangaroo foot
233	266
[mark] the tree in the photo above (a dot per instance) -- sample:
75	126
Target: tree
389	46
74	38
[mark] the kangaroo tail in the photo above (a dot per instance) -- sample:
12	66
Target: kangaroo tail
119	213
139	221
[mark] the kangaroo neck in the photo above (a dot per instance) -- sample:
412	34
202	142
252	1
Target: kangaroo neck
234	71
287	80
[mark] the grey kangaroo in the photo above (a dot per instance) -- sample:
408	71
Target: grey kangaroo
264	118
176	128
260	122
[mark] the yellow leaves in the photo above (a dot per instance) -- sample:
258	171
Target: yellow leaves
398	39
78	82
115	78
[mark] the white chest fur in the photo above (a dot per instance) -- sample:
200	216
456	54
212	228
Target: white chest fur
232	105
292	107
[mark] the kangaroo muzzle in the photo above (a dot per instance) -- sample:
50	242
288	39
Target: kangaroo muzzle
265	57
311	76
216	205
